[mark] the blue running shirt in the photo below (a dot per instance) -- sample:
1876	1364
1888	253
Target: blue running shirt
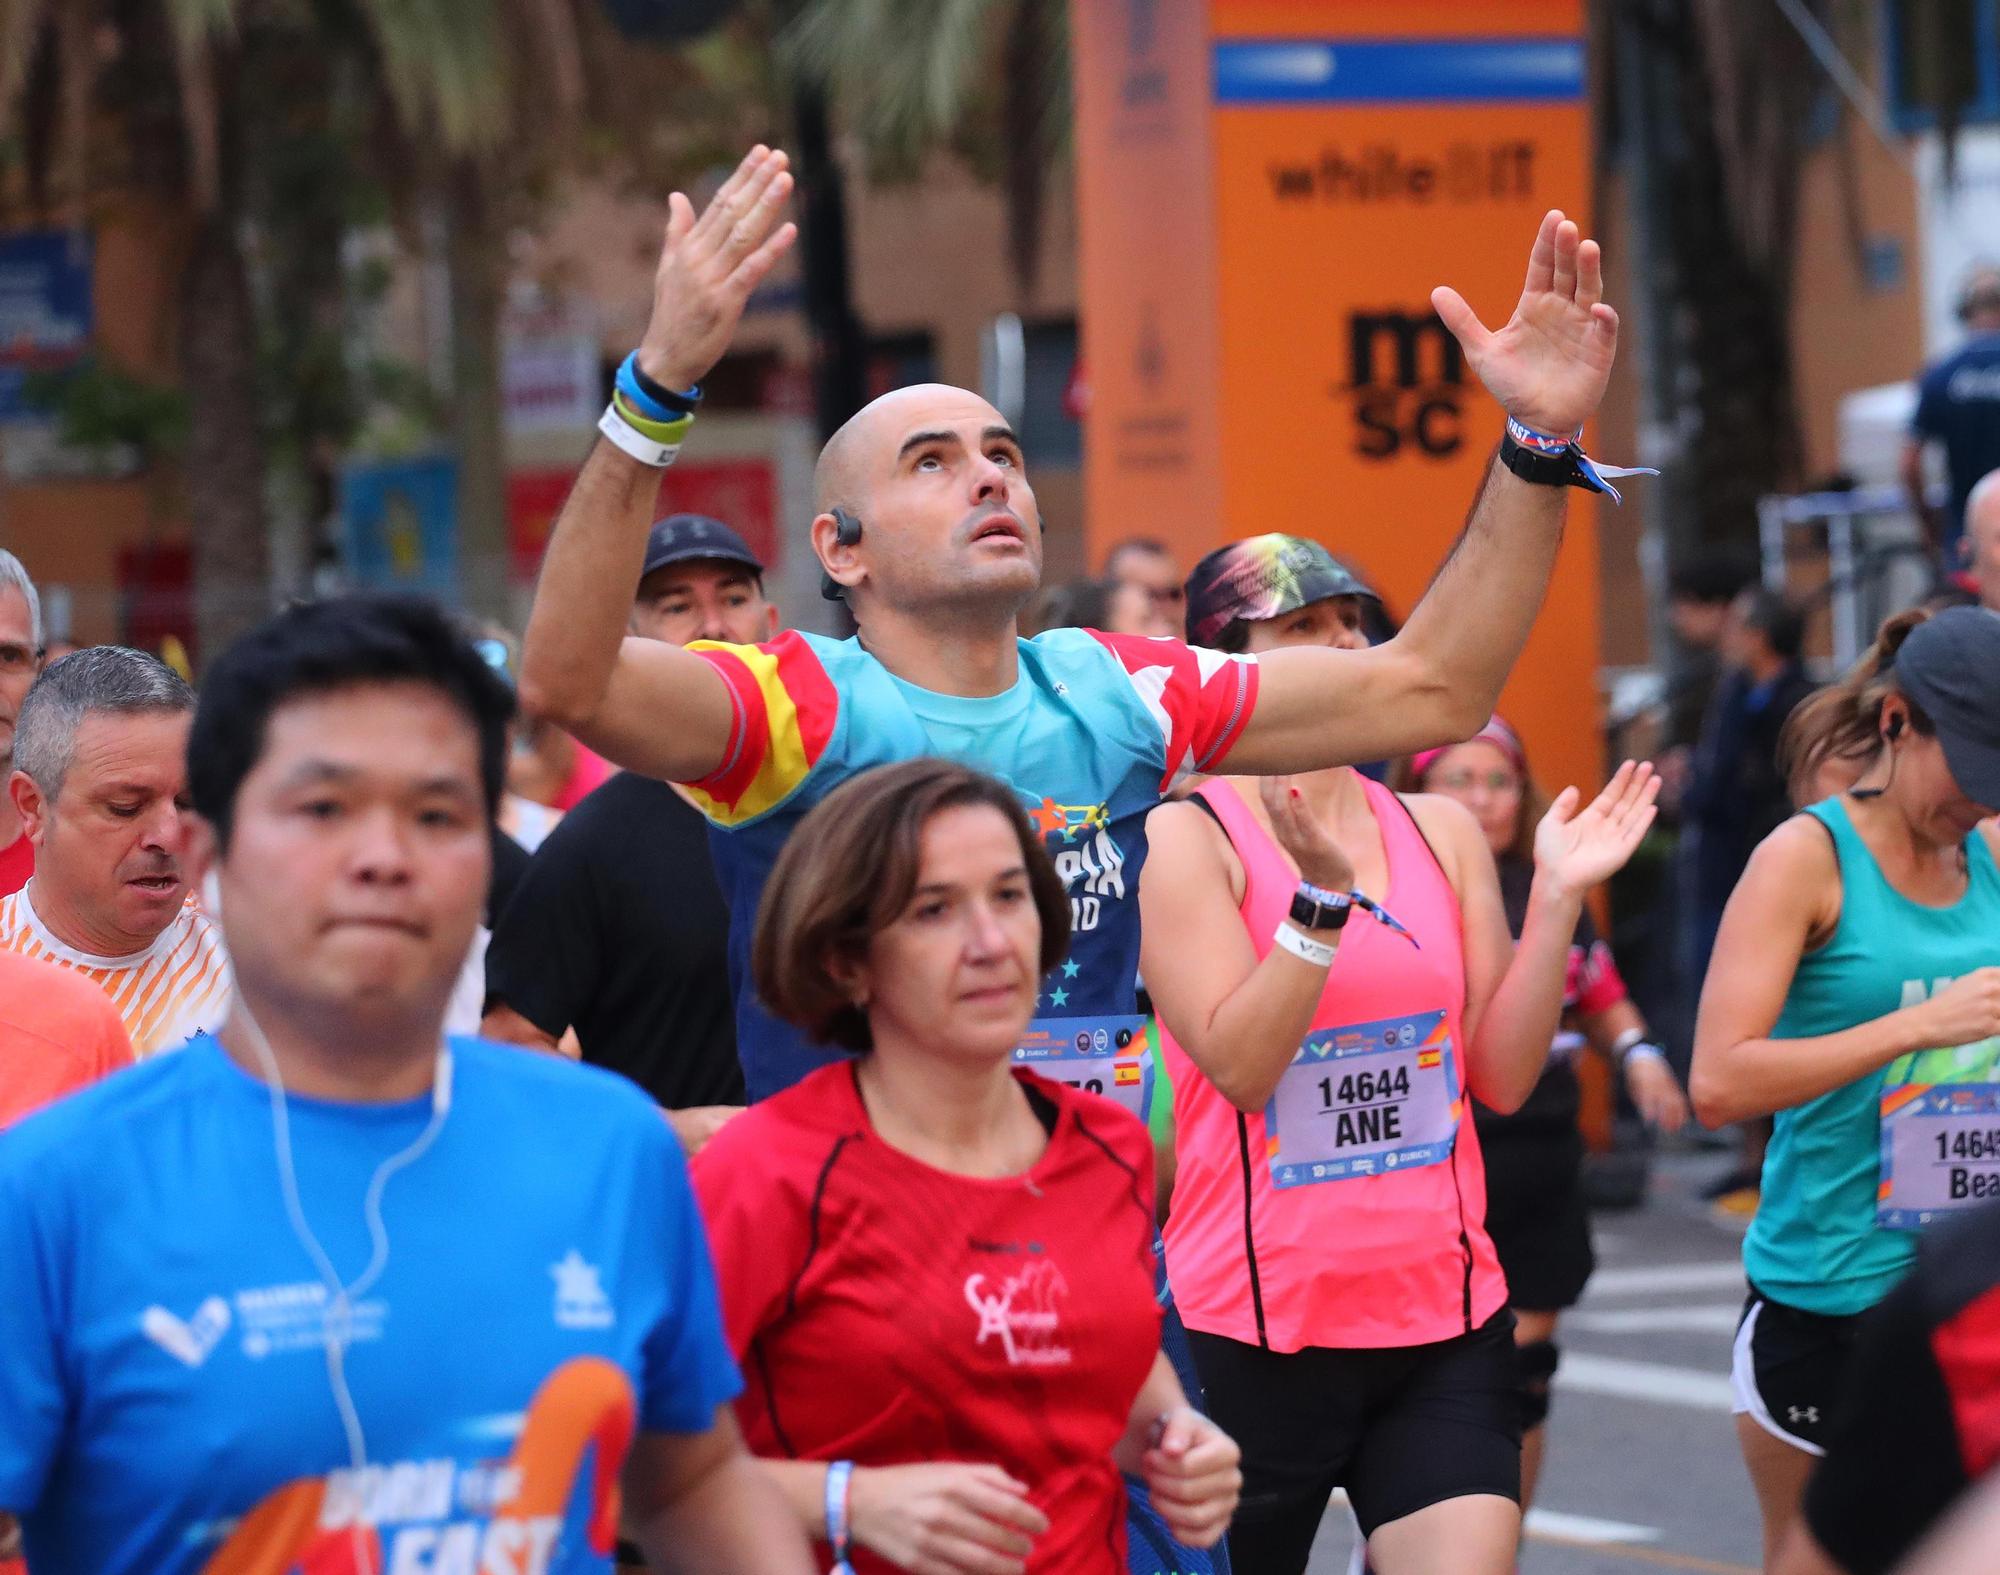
165	1406
1094	730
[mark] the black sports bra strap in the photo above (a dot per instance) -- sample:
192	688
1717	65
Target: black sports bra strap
1200	802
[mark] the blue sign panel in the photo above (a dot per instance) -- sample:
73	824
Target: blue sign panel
1398	71
401	523
45	317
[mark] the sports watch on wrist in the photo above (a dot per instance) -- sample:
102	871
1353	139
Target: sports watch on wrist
1316	908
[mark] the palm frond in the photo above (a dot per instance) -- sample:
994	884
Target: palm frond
902	71
445	62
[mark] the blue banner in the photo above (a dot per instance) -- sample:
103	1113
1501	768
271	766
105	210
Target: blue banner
1398	71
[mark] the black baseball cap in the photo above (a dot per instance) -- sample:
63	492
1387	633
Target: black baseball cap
684	538
1950	665
1259	578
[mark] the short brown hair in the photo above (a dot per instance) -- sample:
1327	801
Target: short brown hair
848	871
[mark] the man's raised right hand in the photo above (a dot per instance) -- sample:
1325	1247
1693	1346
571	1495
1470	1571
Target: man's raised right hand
709	265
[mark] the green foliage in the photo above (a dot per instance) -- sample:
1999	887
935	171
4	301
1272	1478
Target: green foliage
104	410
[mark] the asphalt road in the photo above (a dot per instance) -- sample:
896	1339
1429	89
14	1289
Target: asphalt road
1642	1473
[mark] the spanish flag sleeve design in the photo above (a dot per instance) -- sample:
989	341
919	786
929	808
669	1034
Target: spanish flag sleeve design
783	710
1200	700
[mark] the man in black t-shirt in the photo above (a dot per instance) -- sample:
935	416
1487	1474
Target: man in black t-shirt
1922	1419
618	928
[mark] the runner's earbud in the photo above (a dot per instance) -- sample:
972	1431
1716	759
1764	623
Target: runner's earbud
1890	734
846	532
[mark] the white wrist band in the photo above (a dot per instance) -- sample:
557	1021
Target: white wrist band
1645	1050
636	443
1303	946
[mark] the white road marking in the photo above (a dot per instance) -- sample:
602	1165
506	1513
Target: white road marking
1585	1373
1586	1528
1707	1276
1709	1319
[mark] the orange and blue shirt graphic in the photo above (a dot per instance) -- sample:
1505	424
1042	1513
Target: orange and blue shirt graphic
174	989
165	1406
1095	729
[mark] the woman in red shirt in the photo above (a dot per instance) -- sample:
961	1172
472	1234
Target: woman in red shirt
936	1267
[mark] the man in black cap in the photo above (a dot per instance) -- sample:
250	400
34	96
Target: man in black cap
701	581
618	928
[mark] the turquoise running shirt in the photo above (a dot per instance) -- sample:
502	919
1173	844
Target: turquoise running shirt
1815	1243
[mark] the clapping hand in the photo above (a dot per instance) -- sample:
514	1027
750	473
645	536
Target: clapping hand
1574	852
1550	364
1302	834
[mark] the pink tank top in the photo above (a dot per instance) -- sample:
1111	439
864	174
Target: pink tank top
1351	1211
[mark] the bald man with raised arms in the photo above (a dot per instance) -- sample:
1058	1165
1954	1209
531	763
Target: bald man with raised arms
927	524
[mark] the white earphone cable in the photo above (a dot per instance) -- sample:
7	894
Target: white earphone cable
340	1309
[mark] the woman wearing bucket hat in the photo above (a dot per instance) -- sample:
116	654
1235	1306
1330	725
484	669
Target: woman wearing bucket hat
1855	994
1326	1240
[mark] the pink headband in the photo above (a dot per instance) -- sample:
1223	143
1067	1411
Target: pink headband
1495	732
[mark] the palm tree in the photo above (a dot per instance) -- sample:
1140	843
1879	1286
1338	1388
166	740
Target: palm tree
179	98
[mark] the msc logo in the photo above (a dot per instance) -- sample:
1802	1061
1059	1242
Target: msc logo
1406	376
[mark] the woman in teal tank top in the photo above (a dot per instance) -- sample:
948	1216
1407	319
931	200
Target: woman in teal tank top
1855	995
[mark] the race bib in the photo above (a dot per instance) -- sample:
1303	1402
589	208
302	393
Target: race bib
1364	1100
1100	1055
1940	1135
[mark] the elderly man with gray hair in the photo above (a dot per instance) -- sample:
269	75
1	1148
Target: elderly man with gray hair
100	783
20	660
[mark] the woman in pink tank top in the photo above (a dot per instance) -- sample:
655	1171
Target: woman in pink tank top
1326	1242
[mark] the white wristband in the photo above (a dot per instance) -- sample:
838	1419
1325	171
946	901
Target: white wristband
1303	946
634	442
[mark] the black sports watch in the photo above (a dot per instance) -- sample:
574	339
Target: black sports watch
1316	908
1544	467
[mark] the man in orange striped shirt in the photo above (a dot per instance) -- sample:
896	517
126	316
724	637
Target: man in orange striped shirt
100	783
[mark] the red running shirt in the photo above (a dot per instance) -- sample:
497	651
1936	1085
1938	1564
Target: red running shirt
17	863
888	1313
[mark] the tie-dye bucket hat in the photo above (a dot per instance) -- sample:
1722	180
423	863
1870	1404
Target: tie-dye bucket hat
1262	577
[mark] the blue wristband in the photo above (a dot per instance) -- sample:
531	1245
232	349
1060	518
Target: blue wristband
649	398
838	1477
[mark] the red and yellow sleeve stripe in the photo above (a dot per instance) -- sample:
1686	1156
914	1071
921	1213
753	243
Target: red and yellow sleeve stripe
784	707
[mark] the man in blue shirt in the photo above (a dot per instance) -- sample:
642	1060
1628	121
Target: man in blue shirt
1958	406
326	1291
